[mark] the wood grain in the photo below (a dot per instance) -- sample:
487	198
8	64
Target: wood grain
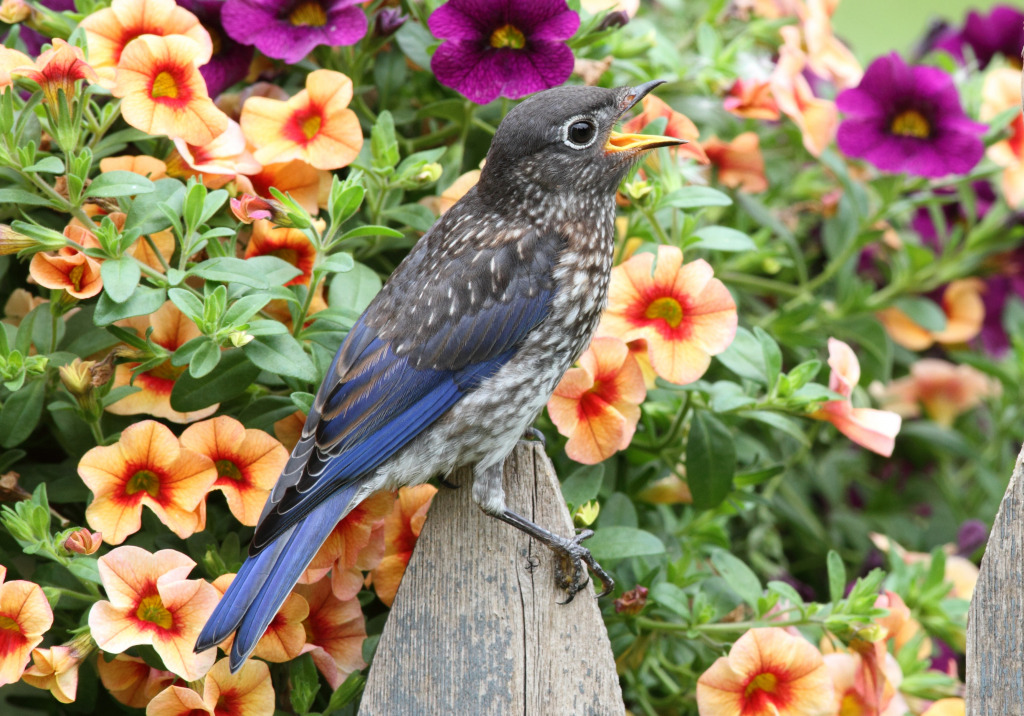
995	626
475	630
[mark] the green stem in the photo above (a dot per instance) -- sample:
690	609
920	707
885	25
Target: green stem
768	285
301	322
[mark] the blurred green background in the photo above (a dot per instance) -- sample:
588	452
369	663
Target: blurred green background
874	27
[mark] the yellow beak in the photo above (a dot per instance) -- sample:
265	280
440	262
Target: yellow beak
618	142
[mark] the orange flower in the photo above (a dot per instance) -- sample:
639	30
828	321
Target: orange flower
68	268
678	126
965	314
739	163
289	429
109	31
248	462
59	68
147	466
335	632
25	615
458	189
752	99
944	390
355	545
1000	92
767	671
56	669
9	60
131	681
285	638
874	429
947	707
862	686
171	329
162	91
401	530
315	125
597	405
685	315
152	602
247	693
216	162
816	118
299	180
141	164
827	56
291	245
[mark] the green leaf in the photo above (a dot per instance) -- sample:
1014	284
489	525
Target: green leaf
772	356
282	355
786	591
722	238
345	202
49	165
786	424
695	197
383	142
922	311
144	213
244	308
21	413
583	484
836	576
205	359
745	357
13	196
338	263
119	183
354	289
740	578
613	543
230	269
305	683
120	277
415	40
671	597
275	271
187	302
232	376
142	302
710	460
346	693
412	215
372	230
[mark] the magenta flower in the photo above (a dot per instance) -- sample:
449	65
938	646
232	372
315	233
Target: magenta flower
230	61
1000	32
289	29
908	119
502	48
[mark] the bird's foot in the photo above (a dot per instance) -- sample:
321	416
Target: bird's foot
572	561
532	434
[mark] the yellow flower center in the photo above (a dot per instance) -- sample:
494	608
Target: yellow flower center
852	706
508	36
228	469
311	125
911	123
151	609
667	309
289	255
762	682
166	371
308	14
143	480
164	86
8	624
75	276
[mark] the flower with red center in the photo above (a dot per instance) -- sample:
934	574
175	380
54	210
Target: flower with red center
57	69
739	163
752	99
816	118
874	429
683	312
171	330
291	245
56	669
130	680
335	632
147	466
297	179
315	125
965	314
285	637
1001	92
767	671
289	29
162	91
401	530
110	30
249	692
152	602
677	125
248	462
943	389
69	268
216	162
597	405
25	615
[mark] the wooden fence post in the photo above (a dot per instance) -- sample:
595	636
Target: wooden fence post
474	630
995	626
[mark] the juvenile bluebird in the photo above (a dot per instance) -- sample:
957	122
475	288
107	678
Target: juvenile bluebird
452	361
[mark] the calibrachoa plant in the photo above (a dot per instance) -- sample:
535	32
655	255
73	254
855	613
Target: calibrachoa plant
790	433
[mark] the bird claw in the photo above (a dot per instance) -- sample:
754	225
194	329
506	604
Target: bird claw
443	481
532	434
570	572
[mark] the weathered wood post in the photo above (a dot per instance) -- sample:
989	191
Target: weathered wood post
475	630
995	626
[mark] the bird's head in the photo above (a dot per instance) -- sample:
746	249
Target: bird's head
561	142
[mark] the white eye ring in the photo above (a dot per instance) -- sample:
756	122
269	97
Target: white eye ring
567	129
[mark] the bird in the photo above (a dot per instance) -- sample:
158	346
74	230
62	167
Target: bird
460	350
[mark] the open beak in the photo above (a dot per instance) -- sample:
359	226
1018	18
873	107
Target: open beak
631	143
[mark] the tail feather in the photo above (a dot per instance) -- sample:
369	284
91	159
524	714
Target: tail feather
265	580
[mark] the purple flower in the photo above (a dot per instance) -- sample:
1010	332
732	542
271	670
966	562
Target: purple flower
1001	32
971	535
908	119
289	29
503	48
230	61
1006	281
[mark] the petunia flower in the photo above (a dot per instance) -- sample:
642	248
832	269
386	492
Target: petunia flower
217	162
285	636
141	164
296	178
683	312
739	163
458	189
751	99
827	56
875	430
59	68
1001	92
289	429
25	615
401	530
965	314
677	125
597	405
998	33
171	330
162	91
130	680
110	30
864	689
291	245
69	268
315	125
249	692
502	48
335	632
289	29
146	467
814	116
767	671
11	59
151	602
943	389
230	60
248	462
56	669
908	119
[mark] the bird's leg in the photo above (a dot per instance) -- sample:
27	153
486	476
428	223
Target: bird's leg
443	481
570	572
531	434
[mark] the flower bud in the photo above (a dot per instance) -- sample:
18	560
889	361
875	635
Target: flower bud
11	242
249	208
585	514
616	18
14	11
82	541
388	21
240	338
77	377
632	602
637	189
430	173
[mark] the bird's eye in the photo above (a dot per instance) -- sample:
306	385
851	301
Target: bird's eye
580	133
